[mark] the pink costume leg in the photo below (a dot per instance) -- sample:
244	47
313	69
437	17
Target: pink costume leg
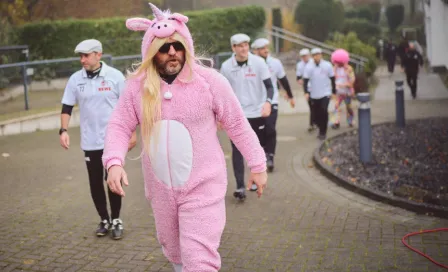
167	225
201	223
335	113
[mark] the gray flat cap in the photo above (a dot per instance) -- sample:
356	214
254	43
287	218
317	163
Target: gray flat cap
239	38
260	43
304	52
89	46
315	51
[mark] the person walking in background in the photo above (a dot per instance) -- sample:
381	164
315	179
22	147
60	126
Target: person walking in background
96	89
390	54
403	49
345	79
261	48
250	79
411	63
320	74
300	68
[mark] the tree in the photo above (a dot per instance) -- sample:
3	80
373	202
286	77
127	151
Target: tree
14	10
277	21
17	11
319	17
395	16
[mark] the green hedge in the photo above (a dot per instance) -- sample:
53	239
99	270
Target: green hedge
211	30
366	31
354	45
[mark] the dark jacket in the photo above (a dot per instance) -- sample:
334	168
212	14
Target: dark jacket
390	51
411	62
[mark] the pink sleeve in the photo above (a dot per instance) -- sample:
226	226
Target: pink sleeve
122	123
230	114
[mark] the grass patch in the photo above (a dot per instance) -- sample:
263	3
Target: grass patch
444	76
38	102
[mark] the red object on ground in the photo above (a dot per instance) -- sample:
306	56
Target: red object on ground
419	252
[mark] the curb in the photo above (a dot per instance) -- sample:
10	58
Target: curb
426	209
42	121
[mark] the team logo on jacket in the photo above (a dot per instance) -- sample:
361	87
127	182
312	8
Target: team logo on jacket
104	87
250	73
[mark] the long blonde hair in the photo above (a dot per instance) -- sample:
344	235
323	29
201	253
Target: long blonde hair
151	98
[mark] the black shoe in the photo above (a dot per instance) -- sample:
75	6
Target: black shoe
270	163
240	195
311	128
117	229
335	126
322	137
103	228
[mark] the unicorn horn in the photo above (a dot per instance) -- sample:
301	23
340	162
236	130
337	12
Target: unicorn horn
157	12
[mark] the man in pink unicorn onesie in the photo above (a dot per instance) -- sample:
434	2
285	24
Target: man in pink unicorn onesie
178	102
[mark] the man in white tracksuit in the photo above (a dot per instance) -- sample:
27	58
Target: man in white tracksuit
320	75
96	89
261	48
250	79
300	69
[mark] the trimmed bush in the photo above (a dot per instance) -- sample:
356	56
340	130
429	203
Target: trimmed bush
366	31
319	17
277	21
211	30
352	44
395	16
371	12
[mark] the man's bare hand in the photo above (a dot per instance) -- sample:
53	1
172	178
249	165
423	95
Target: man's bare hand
260	179
307	96
266	111
115	175
64	140
292	102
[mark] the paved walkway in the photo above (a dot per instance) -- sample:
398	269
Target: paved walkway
429	85
303	223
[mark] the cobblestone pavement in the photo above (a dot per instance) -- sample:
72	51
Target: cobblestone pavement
304	222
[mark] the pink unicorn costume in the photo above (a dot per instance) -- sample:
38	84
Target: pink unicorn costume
344	74
185	172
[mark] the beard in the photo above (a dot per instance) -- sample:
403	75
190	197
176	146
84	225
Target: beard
171	66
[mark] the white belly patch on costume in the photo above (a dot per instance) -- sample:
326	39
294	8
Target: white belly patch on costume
171	152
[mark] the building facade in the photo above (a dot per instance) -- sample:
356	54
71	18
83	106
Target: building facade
436	27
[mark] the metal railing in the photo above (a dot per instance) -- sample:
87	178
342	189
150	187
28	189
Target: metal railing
359	65
314	43
69	65
33	74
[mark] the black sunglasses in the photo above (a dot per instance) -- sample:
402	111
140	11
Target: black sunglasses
178	46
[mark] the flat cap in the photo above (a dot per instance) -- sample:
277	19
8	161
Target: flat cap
304	52
89	46
315	51
239	38
260	43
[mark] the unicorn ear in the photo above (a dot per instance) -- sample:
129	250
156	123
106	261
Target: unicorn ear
180	17
138	24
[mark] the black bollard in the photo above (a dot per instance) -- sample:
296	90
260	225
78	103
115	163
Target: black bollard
399	104
364	128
